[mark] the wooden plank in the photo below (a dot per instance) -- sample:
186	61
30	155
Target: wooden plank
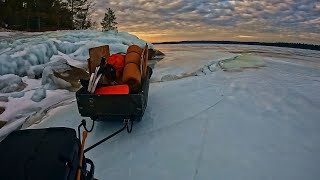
95	56
142	63
145	62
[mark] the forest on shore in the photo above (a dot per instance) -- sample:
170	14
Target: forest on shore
45	15
276	44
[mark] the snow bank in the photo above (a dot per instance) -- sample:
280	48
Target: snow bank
19	56
31	107
6	34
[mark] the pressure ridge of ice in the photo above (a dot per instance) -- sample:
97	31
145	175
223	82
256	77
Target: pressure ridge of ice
18	56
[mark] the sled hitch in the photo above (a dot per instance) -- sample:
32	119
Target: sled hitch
128	124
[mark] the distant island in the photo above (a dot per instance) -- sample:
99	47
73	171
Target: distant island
277	44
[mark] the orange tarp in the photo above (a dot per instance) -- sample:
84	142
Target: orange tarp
117	89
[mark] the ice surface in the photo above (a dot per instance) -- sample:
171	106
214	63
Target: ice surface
256	124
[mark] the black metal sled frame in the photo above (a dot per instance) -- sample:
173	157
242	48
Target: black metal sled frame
111	107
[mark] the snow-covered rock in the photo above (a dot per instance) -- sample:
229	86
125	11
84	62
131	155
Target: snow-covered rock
51	82
155	54
39	95
11	83
58	74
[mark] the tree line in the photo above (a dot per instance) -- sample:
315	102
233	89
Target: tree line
276	44
45	15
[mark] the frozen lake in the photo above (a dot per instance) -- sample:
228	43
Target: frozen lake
258	123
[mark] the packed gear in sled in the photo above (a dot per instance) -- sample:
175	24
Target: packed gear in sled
38	154
117	89
117	69
101	103
133	68
117	62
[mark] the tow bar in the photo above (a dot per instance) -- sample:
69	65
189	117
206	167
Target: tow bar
128	124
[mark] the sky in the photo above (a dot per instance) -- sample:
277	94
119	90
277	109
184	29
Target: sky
239	20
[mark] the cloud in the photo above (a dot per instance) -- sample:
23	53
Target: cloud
245	36
214	19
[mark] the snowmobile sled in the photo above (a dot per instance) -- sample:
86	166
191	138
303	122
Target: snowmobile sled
38	154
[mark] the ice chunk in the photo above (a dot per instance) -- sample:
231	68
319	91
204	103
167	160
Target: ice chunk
169	77
184	63
57	63
17	95
11	83
38	95
21	55
240	62
35	71
67	47
51	82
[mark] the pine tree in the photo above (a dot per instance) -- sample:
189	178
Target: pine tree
109	21
81	10
44	15
82	16
63	15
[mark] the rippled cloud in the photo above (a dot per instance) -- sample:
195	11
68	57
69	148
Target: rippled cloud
264	20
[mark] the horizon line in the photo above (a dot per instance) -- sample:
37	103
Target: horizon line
216	41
